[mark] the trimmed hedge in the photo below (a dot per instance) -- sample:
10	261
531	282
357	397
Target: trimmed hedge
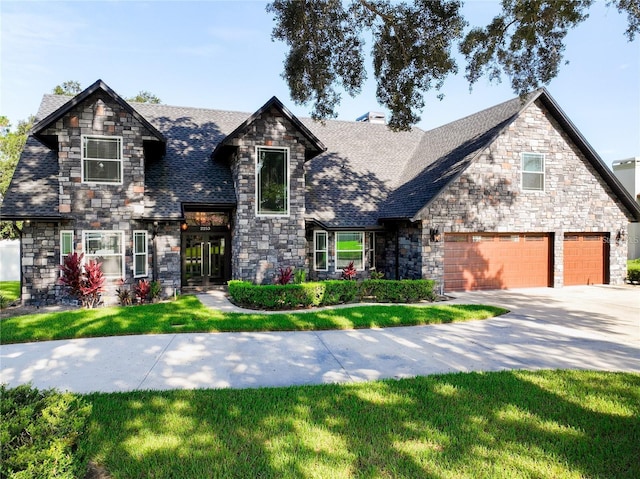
633	271
39	432
325	293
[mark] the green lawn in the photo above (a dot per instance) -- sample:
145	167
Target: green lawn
187	314
10	290
510	424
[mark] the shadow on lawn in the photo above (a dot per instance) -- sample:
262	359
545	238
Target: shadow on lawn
522	424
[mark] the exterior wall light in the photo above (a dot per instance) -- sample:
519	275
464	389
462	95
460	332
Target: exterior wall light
184	226
434	235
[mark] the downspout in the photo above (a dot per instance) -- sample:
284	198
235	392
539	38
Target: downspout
397	252
154	258
15	225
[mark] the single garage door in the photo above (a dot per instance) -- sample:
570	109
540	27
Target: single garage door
495	261
585	258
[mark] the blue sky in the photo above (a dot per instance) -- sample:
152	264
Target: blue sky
219	54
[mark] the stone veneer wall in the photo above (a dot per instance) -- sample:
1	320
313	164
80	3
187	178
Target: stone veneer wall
410	253
89	206
488	197
169	263
261	245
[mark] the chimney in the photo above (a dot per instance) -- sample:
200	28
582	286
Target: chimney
372	117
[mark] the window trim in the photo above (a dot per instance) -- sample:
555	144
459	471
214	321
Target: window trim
83	139
145	253
287	178
371	251
63	255
122	248
316	250
523	172
335	248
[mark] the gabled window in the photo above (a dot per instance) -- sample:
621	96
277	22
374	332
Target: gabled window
106	247
350	247
320	251
66	245
533	171
272	181
140	254
102	159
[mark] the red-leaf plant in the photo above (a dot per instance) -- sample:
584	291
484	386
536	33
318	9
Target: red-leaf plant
72	274
92	285
142	290
349	271
284	276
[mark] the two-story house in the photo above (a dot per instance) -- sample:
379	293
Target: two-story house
512	196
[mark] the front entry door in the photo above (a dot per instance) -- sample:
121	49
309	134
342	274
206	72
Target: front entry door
205	259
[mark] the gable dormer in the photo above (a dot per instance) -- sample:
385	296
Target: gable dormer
101	143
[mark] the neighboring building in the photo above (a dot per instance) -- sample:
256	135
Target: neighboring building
512	196
628	173
9	260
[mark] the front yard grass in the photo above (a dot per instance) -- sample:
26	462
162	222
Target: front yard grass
10	290
188	314
509	424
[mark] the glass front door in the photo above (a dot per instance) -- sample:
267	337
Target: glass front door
205	259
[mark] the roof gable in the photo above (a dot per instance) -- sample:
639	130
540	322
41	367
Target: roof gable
316	144
42	125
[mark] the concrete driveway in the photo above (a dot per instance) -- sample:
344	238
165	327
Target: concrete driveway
591	327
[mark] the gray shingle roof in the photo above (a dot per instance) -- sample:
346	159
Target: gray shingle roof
367	173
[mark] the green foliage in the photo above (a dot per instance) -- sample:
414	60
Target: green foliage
9	291
155	290
68	88
299	276
507	424
39	433
325	293
412	45
145	97
11	146
633	271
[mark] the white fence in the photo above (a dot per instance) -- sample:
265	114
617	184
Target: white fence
9	260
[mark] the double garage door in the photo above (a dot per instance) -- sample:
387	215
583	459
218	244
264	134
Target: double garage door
497	261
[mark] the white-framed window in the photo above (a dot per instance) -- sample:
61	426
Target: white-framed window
140	254
372	250
272	181
106	247
320	251
350	247
533	171
102	159
66	245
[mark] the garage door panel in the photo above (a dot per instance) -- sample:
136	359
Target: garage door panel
585	258
495	261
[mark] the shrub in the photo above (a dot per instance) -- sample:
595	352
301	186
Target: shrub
142	290
403	291
39	431
337	292
300	276
349	272
92	285
284	275
84	284
377	274
155	290
72	274
4	302
124	295
633	271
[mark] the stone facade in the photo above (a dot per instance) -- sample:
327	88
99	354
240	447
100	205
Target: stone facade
88	206
262	244
488	197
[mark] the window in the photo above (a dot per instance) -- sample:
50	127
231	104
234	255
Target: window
533	171
372	250
66	245
320	248
102	159
140	255
106	247
272	181
350	247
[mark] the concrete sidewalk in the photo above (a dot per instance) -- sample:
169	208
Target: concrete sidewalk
594	327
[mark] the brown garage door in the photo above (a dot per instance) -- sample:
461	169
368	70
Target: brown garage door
495	261
585	258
